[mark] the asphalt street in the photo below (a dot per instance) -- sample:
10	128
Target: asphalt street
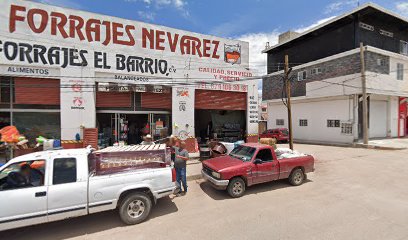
353	194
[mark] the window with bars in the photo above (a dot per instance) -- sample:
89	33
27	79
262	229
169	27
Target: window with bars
280	122
303	122
347	128
316	71
333	123
400	71
302	75
404	47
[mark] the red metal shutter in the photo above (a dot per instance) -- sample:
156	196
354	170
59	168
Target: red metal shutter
156	100
113	99
38	91
220	100
91	137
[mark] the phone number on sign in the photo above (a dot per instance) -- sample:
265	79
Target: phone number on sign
224	87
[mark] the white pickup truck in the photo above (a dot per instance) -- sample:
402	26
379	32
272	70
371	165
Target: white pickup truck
53	185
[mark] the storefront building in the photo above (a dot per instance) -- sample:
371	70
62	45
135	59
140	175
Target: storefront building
63	70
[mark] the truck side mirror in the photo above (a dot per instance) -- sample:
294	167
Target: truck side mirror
258	161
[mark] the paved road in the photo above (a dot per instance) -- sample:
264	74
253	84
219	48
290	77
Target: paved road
354	194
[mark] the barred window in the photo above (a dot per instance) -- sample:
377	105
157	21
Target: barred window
333	123
400	71
404	47
302	75
280	122
316	71
303	122
347	128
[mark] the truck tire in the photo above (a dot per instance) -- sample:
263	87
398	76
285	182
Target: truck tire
236	187
135	208
297	177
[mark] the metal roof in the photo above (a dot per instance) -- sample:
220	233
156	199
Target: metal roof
364	6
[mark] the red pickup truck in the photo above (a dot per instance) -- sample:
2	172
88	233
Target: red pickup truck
280	134
252	163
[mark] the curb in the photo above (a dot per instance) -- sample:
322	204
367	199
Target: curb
194	177
378	147
353	145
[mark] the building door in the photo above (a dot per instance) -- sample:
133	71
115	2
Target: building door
402	117
378	119
120	128
159	125
360	115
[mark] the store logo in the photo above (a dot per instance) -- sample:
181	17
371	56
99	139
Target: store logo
232	53
76	87
183	93
77	103
182	106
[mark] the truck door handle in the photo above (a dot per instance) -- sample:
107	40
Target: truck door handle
40	194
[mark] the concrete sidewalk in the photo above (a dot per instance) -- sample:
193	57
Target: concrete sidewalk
194	169
385	144
380	144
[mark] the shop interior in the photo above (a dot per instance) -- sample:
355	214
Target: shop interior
129	129
220	125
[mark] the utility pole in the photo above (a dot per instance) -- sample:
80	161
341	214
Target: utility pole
364	89
288	103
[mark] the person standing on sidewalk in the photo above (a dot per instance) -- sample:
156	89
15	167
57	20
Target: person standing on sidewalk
180	164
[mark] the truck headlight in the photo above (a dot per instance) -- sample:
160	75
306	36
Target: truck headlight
216	175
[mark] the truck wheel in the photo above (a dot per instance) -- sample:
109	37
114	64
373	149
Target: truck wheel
236	187
135	208
297	177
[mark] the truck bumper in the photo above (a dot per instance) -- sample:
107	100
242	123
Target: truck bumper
217	184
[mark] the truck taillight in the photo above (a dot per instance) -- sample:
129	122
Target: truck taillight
173	174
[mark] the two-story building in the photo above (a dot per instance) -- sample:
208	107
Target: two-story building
326	77
64	70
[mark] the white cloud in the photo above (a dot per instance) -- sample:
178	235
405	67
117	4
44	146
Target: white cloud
340	6
158	4
62	3
304	29
147	16
257	42
402	8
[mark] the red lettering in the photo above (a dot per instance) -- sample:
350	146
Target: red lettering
196	45
206	48
118	33
173	42
159	40
93	26
58	22
128	29
43	21
185	45
147	34
14	18
75	25
216	44
107	32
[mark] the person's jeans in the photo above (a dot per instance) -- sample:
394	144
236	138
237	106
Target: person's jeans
181	178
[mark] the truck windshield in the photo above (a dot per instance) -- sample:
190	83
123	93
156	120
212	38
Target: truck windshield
243	153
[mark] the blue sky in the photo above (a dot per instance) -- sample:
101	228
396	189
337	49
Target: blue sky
256	21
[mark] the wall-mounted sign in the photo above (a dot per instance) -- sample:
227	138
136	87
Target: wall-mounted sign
159	124
39	35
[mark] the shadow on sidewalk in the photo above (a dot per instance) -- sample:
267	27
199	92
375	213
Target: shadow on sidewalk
80	226
259	188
